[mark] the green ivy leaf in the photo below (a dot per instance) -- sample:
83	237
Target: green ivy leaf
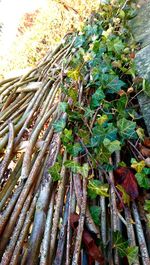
96	46
76	168
96	187
96	98
119	243
95	213
102	119
132	254
67	136
112	146
147	206
84	170
79	41
55	171
75	149
147	87
103	154
108	167
63	106
142	180
100	133
148	219
73	165
72	93
121	103
74	116
88	112
74	73
116	45
146	171
84	135
91	30
115	85
126	128
122	164
59	125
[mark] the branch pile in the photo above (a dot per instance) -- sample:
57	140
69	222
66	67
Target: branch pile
72	154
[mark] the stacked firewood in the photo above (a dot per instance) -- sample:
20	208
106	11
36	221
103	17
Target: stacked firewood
44	221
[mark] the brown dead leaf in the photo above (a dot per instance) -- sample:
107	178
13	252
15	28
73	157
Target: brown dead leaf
125	177
145	151
94	252
137	80
121	92
147	142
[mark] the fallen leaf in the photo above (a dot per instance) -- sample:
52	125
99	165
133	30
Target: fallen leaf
126	178
147	142
92	249
145	151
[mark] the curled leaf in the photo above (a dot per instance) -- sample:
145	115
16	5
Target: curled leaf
126	178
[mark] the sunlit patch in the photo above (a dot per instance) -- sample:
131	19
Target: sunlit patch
10	15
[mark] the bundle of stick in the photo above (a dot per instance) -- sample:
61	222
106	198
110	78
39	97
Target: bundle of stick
42	221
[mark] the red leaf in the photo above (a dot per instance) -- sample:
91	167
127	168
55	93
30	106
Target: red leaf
92	249
125	177
74	218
